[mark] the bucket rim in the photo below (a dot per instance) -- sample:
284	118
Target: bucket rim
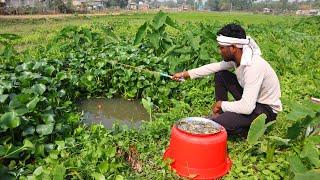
199	119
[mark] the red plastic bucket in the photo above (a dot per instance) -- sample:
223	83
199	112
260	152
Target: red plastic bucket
199	156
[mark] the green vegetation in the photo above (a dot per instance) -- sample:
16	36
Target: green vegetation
37	30
41	136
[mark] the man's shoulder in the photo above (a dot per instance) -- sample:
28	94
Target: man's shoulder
259	62
258	65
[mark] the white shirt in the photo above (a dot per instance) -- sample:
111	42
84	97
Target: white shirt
259	81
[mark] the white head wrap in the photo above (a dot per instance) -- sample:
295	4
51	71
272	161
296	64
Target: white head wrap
248	45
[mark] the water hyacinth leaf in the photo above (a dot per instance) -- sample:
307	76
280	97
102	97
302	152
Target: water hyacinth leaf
88	34
20	100
141	31
9	120
61	93
61	75
309	175
147	104
296	164
25	80
28	91
89	77
60	144
3	97
49	147
204	54
257	129
279	140
314	106
22	111
159	20
39	88
170	50
131	93
37	65
193	43
104	167
98	176
8	51
296	129
157	76
2	150
38	171
154	40
70	141
6	85
9	36
167	39
111	151
14	122
119	177
296	115
49	70
312	153
314	139
299	111
172	23
28	131
27	144
33	103
44	129
59	172
40	150
48	118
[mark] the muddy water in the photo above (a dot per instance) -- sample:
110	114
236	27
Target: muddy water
107	111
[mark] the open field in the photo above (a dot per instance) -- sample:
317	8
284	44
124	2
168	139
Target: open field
40	28
59	60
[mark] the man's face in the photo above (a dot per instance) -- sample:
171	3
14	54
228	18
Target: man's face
226	53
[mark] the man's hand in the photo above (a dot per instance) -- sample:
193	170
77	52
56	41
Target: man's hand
216	108
180	75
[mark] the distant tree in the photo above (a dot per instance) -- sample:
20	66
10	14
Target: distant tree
284	4
180	2
154	4
240	4
123	3
224	5
213	5
317	3
190	2
2	3
59	5
114	3
69	5
170	3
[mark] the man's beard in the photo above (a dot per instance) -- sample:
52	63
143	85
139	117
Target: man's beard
229	57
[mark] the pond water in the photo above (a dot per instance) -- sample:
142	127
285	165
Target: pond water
107	111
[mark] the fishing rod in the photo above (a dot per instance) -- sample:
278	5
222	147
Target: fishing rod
144	69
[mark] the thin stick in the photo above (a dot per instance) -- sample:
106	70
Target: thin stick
315	100
140	69
145	70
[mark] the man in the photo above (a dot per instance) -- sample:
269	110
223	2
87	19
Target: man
254	86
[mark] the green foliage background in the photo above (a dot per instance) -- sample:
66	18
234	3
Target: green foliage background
40	133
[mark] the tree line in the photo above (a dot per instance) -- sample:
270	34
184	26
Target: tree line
66	6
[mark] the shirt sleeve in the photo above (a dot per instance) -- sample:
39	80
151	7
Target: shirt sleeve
210	68
253	78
